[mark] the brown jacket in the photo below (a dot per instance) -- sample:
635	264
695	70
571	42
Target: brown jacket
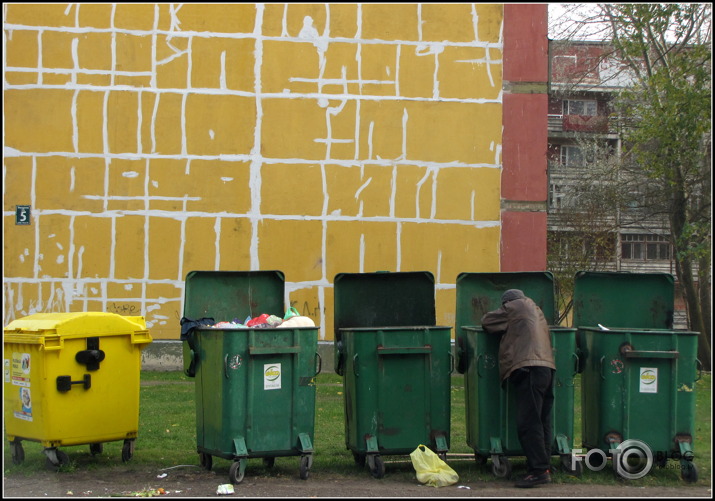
526	340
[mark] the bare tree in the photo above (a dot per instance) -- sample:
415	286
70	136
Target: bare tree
587	216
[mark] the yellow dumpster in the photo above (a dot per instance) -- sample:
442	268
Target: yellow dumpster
72	379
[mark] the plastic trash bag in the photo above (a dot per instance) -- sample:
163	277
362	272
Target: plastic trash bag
430	468
259	320
291	312
297	321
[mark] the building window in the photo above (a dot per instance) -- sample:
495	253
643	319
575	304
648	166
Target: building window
582	247
556	196
573	156
645	247
580	107
564	196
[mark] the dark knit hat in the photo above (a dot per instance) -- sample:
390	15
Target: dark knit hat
511	295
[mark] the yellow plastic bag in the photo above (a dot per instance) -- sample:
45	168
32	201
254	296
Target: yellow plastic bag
431	470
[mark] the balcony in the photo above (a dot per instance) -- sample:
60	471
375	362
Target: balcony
599	124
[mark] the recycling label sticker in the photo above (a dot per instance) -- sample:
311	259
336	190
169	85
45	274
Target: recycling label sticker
649	380
19	371
271	376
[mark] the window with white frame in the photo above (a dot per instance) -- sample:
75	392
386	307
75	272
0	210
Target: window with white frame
645	247
562	196
572	156
556	196
580	107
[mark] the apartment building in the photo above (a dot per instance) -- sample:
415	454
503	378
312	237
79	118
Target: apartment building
585	132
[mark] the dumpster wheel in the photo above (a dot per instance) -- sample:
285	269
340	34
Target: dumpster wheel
95	449
269	462
18	453
481	459
55	459
127	450
235	472
359	459
689	472
501	466
205	460
376	465
566	461
305	464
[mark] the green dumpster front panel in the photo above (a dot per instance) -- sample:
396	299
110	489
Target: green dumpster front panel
491	406
639	384
397	388
395	362
255	388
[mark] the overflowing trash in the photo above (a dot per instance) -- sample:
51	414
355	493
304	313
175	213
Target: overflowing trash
291	319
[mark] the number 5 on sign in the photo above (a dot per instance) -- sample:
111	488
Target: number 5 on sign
22	214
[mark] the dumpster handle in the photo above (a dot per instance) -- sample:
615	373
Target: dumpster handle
601	367
193	352
90	358
628	351
699	365
407	350
452	363
320	363
225	366
576	360
355	364
64	383
479	374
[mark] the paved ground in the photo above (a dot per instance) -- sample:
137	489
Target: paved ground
192	481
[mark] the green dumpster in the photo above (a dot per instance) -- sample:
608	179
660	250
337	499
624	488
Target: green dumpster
490	406
396	365
638	380
255	387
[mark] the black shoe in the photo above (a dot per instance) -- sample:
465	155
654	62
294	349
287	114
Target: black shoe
534	480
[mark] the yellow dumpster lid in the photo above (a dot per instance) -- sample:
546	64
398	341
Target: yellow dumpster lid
73	323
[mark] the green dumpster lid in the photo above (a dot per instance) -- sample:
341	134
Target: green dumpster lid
384	299
228	295
478	293
624	299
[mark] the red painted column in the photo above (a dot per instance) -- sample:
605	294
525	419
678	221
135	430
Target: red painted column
524	184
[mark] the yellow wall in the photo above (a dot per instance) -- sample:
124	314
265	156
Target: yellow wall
316	139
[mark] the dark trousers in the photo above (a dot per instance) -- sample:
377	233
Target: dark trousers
534	387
